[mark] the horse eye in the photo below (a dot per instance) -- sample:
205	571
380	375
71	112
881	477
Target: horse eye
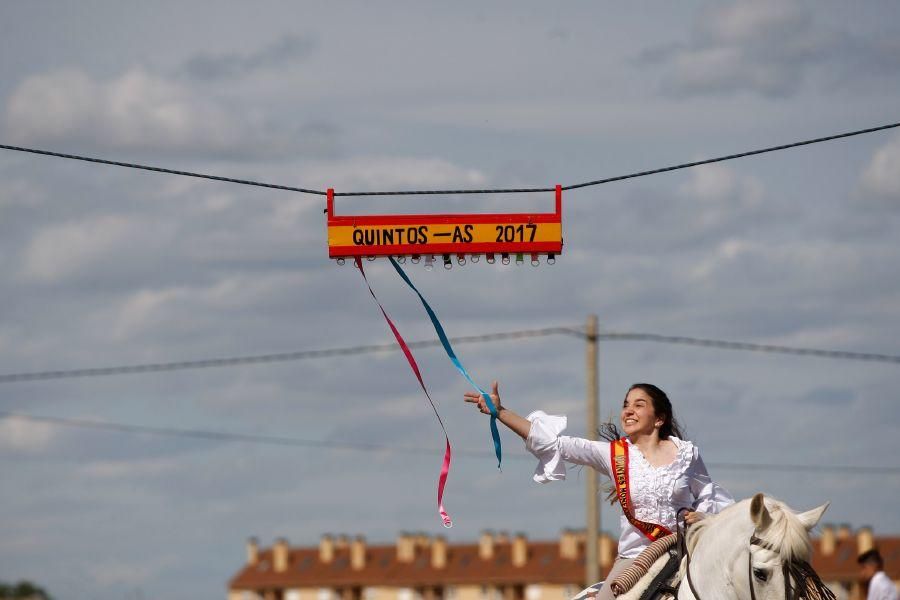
761	575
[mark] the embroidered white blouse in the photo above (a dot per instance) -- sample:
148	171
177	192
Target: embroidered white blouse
656	492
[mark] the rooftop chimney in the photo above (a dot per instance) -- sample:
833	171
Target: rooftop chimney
519	550
843	532
406	549
486	545
606	550
828	541
422	540
326	549
252	551
568	545
280	555
439	553
342	542
502	537
865	541
358	553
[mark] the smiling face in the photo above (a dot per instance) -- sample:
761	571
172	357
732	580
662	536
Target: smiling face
638	414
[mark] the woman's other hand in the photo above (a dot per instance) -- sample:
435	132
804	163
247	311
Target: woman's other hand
693	517
478	400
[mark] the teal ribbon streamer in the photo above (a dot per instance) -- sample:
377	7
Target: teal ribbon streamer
454	359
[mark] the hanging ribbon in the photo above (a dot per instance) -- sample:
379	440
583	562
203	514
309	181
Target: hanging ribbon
449	349
445	467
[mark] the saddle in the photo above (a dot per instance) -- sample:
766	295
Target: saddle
659	563
664	579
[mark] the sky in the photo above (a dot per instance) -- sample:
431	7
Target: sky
103	266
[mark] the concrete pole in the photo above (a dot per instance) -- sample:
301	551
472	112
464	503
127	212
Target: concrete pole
592	567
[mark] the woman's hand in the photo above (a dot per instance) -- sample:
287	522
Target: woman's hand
478	400
516	423
693	517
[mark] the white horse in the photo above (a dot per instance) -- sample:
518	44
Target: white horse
757	549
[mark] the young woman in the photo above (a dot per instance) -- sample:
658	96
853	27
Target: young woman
653	471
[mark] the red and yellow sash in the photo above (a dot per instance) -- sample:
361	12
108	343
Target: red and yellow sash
618	457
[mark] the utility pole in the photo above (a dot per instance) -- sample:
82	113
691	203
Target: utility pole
592	568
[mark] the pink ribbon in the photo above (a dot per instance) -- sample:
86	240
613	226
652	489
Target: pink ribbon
445	467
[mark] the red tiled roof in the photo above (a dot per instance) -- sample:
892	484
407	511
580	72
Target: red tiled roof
841	565
463	566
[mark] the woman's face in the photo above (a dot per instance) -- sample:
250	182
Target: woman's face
638	415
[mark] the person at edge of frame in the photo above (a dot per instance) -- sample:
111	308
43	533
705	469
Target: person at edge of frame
871	570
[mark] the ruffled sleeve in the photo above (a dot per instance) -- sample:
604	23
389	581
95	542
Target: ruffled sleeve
710	497
543	442
552	449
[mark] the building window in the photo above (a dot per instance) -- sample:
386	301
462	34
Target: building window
370	593
489	592
324	594
450	593
404	594
533	592
292	595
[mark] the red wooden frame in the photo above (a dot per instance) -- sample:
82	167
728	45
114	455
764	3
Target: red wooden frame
390	235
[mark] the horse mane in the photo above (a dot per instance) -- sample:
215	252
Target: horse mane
786	533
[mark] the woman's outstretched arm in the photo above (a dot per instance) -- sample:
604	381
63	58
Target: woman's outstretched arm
518	424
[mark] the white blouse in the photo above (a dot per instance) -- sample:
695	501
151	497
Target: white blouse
881	587
656	492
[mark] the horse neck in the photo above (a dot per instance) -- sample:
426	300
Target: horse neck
721	543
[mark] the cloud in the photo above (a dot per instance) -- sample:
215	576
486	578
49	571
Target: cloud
381	172
25	435
284	51
19	193
829	396
713	203
112	571
770	49
71	249
142	111
141	468
881	177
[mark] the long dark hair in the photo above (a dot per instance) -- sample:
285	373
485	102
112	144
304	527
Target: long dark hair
662	406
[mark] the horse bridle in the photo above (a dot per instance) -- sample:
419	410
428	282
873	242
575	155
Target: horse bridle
799	570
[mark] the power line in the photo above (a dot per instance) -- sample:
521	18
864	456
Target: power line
764	348
211	435
222	436
471	339
115	163
733	156
633	175
447	192
273	358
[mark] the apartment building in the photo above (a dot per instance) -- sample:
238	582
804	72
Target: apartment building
497	567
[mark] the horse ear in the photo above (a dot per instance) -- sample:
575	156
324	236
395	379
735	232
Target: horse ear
759	513
811	517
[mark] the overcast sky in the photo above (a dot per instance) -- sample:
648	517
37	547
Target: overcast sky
101	266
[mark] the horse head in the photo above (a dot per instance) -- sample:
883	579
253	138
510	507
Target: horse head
757	549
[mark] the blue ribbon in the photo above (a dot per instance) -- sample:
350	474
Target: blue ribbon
456	362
